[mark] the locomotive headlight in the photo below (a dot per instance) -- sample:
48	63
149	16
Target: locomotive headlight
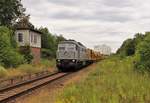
73	60
58	60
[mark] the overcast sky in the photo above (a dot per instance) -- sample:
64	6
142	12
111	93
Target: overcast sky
92	22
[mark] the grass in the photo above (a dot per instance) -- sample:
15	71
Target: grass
48	95
114	81
27	69
48	63
3	72
43	97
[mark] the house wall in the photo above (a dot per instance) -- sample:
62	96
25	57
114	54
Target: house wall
37	36
26	40
29	39
36	54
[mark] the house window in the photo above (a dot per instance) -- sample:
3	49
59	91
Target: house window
32	36
20	37
35	38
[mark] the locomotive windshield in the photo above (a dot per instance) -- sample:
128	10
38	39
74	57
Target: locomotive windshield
66	47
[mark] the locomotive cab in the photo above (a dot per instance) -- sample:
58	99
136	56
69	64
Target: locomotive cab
67	55
71	55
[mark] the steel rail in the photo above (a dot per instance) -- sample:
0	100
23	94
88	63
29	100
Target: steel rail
13	92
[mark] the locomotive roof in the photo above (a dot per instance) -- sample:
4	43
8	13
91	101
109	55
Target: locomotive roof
73	41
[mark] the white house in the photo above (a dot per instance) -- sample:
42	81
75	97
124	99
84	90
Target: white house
26	35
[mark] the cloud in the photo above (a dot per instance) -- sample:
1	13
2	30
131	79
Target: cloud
118	3
91	22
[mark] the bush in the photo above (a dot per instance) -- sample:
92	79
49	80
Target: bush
9	57
143	55
127	48
26	51
12	59
49	54
3	72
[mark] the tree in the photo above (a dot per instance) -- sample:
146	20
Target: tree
47	38
9	57
23	22
10	10
143	54
49	43
138	38
127	48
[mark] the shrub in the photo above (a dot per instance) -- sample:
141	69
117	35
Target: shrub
9	57
127	48
143	54
26	51
47	53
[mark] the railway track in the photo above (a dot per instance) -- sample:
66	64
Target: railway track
12	92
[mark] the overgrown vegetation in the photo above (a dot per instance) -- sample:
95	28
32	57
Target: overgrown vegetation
24	69
139	48
26	52
129	46
9	57
143	54
114	81
49	43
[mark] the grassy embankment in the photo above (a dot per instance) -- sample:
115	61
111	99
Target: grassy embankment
114	81
27	69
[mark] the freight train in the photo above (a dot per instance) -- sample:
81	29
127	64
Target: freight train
72	55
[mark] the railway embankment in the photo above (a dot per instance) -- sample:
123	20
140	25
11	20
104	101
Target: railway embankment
113	81
27	69
48	93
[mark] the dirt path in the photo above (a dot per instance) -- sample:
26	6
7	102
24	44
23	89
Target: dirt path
47	94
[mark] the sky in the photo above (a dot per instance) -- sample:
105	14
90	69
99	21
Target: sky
91	22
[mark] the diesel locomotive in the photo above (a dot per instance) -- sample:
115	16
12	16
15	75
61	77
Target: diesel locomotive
72	55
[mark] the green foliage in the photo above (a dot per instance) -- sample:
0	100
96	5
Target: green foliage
143	63
47	53
9	57
129	46
12	40
49	43
114	81
138	38
26	52
10	10
48	63
139	46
